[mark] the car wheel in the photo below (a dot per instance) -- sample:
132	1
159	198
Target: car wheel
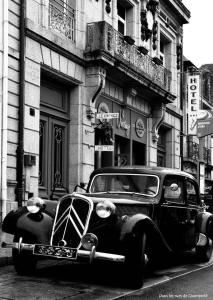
204	253
135	262
24	262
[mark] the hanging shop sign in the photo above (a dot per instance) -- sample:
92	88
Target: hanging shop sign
108	148
107	115
204	123
193	102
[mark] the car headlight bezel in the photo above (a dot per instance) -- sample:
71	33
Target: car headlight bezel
35	205
89	240
105	208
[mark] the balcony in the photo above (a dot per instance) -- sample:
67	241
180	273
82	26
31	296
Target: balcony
103	38
62	19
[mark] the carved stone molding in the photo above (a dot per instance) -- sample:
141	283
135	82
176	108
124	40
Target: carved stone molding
158	115
95	82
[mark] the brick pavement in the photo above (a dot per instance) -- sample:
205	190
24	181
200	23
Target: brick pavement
5	253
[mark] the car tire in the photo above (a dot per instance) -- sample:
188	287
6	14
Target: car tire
24	262
135	262
204	253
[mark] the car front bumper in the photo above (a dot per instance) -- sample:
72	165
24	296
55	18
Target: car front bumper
90	255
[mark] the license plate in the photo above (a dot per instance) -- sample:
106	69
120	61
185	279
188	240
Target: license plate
55	251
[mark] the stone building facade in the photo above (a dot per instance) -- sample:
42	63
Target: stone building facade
66	61
198	150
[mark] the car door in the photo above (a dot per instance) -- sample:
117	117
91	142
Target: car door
174	214
193	208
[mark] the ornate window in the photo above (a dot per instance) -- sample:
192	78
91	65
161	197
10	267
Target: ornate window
62	17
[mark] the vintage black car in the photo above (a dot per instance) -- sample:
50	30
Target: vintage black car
129	215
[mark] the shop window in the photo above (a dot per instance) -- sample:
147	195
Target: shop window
138	153
161	148
122	150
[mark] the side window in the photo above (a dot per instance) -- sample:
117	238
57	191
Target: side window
192	196
173	189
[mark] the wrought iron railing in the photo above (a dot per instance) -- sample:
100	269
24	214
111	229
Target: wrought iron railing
62	18
207	155
102	36
193	150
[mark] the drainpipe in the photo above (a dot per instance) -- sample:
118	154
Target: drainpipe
20	148
4	112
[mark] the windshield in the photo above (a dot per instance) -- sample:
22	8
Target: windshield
125	183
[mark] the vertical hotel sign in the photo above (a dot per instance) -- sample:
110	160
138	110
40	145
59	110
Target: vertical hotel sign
193	102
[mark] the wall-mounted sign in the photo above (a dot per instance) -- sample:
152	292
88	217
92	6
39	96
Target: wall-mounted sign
139	128
193	102
204	123
107	115
122	123
108	148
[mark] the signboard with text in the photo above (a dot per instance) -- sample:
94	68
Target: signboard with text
193	102
108	148
204	123
107	115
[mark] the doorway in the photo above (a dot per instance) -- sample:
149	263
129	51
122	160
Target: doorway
53	147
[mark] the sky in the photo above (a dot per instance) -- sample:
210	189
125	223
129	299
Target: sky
197	35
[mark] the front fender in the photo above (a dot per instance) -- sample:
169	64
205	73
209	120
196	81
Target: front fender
9	223
205	224
40	230
142	223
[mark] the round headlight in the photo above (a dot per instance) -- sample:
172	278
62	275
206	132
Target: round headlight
89	240
35	204
105	208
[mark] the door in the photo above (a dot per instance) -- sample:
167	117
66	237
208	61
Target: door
52	157
53	147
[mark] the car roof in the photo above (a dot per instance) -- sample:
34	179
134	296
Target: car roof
160	171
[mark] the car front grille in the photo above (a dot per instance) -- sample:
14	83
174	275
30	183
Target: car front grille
71	220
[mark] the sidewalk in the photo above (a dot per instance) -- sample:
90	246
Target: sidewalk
5	253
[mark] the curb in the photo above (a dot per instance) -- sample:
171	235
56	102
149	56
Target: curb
5	261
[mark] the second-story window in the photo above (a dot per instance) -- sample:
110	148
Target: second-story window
165	51
62	17
124	17
121	11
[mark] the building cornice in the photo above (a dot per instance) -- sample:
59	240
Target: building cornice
179	9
